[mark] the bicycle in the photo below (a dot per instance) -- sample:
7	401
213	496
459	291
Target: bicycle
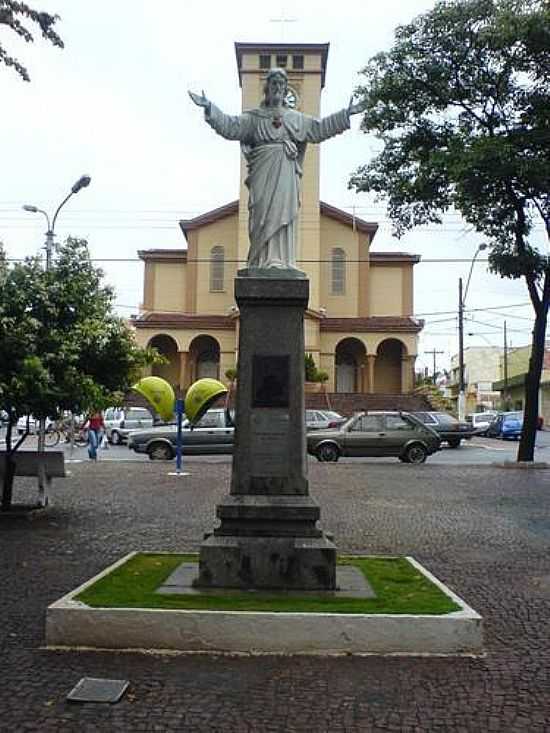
58	431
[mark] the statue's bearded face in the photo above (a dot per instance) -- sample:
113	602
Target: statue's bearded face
276	90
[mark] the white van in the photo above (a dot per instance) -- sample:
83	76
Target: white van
120	420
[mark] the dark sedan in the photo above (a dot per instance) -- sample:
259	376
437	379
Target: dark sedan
450	430
375	434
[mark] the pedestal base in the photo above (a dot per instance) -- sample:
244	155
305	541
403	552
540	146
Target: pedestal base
305	563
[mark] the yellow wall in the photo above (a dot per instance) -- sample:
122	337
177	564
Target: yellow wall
220	233
386	290
169	286
335	234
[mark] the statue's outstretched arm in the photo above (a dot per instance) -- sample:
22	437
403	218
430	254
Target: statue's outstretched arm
230	127
201	100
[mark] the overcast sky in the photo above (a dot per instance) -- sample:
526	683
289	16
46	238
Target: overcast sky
114	104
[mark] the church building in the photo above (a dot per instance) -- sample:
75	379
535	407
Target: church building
359	327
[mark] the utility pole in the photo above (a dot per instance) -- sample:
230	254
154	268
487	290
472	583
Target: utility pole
505	401
434	352
461	396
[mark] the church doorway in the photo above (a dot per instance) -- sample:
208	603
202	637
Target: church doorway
166	346
204	353
350	360
388	366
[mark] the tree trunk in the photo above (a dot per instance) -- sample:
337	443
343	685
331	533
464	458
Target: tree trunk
526	449
7	487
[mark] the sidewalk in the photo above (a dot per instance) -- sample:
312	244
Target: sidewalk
484	533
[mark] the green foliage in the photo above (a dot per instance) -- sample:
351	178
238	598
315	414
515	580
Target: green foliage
461	104
63	348
11	14
437	400
399	589
321	376
310	368
231	374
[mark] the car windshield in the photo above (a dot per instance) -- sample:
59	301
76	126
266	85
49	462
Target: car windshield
444	419
513	417
425	417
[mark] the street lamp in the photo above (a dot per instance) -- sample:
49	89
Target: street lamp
461	305
82	182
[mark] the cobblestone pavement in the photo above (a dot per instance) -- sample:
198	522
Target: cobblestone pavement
485	532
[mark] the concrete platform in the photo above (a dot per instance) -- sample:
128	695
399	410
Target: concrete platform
70	623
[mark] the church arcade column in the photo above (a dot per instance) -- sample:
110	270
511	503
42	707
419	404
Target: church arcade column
184	378
371	358
407	374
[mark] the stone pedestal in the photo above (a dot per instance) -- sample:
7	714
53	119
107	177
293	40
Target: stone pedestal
268	535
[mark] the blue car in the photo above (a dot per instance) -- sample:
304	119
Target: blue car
507	425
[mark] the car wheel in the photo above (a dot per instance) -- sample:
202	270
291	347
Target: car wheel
159	452
415	453
115	438
454	443
328	453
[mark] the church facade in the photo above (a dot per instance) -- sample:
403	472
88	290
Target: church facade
358	327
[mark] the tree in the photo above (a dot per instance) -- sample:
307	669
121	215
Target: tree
63	348
310	368
461	104
11	13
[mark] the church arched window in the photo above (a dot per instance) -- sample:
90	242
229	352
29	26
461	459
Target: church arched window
217	266
338	280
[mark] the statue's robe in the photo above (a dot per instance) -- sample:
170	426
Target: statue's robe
274	147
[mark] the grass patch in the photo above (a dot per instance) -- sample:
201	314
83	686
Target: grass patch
400	588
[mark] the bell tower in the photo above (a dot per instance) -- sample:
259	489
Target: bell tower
305	64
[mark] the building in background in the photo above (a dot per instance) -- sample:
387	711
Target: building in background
358	325
512	390
482	367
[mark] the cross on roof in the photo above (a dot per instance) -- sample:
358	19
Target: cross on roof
282	20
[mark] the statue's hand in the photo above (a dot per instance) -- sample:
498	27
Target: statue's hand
200	100
355	109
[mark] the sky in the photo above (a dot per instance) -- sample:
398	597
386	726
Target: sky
113	104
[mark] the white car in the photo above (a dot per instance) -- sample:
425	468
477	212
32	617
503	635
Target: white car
481	421
33	424
120	420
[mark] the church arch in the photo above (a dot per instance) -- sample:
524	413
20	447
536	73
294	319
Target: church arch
350	357
204	357
217	269
388	366
166	346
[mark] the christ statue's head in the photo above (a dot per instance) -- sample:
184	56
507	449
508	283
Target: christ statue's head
275	88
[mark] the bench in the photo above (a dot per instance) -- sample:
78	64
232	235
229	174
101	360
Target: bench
26	464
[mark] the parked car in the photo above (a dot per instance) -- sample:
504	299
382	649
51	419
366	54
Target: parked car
120	420
450	430
480	421
323	419
374	434
214	433
33	424
507	425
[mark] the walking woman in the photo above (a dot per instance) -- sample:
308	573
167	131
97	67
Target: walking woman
95	427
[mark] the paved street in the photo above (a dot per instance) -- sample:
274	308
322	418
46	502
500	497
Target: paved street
484	531
477	451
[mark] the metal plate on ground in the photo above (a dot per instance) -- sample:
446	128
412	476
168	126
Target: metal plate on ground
350	581
96	689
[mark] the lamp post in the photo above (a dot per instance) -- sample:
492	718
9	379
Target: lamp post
82	182
461	305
